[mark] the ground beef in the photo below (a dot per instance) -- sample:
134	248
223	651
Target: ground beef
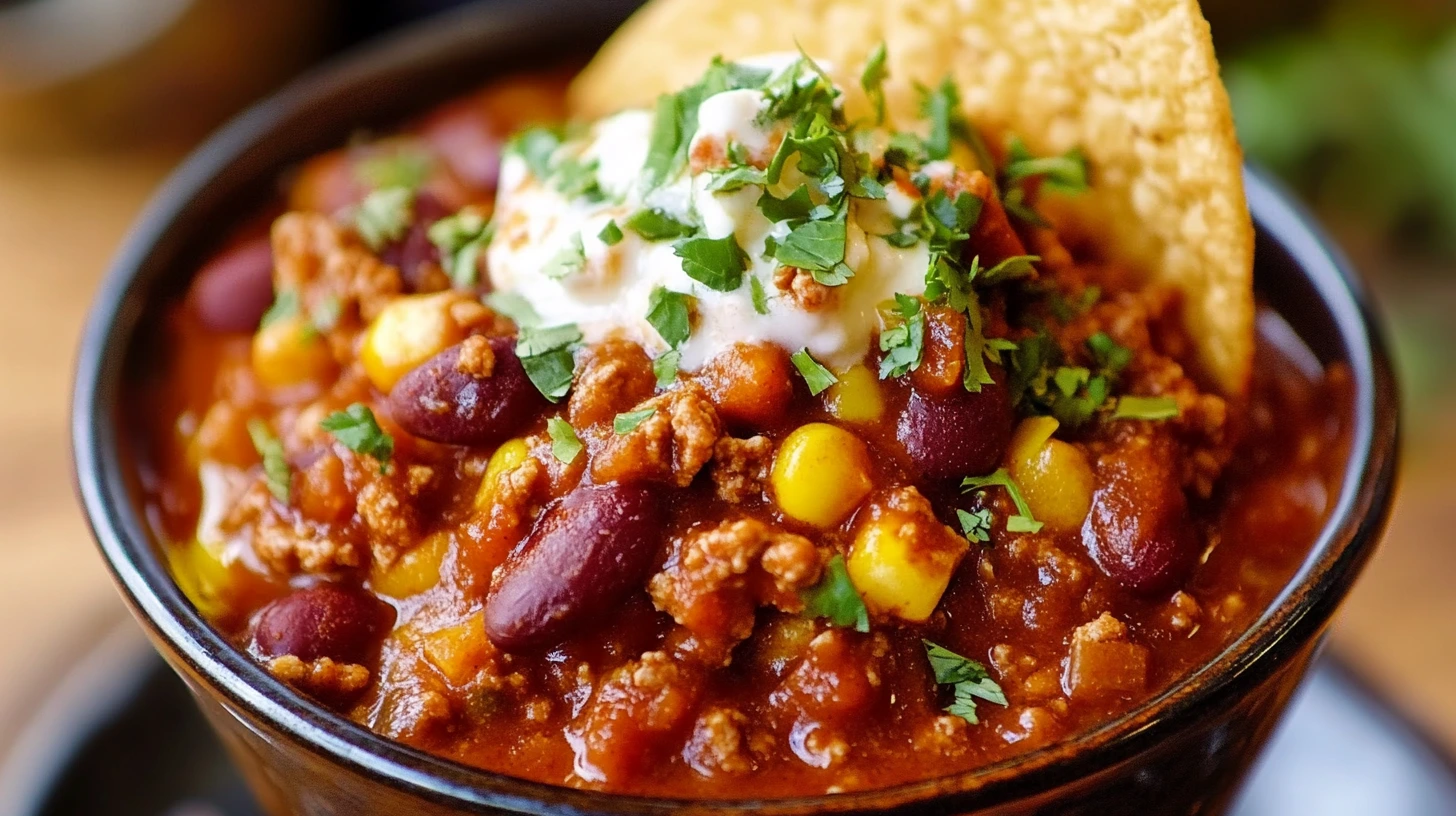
476	358
321	678
719	744
671	445
801	288
716	577
317	258
613	376
741	468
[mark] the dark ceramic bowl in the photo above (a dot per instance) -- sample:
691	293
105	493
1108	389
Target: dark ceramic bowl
1184	751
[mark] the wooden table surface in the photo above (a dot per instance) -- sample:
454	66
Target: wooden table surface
61	218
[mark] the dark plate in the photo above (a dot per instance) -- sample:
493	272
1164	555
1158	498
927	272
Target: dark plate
120	736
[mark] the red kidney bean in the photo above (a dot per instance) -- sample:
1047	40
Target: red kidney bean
439	402
231	291
962	433
326	620
410	253
1138	531
586	554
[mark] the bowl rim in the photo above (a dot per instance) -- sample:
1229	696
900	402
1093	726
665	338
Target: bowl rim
1296	617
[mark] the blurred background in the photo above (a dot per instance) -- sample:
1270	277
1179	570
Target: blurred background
1352	102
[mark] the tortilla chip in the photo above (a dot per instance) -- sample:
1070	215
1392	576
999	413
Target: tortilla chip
1133	83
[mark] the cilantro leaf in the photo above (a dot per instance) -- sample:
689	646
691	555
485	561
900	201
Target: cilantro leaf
546	356
872	79
667	312
627	422
941	105
1024	522
577	179
735	178
675	118
461	238
356	429
759	296
904	344
794	208
516	307
384	216
570	260
611	234
565	444
1017	266
656	225
1150	408
535	146
1066	173
664	367
276	472
816	246
1110	356
969	681
835	598
717	263
817	376
976	526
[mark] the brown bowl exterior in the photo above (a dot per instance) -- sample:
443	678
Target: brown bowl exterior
1183	752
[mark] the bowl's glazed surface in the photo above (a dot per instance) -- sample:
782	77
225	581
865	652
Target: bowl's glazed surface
1183	752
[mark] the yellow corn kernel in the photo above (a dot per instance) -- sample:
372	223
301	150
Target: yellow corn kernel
416	571
509	455
1054	476
459	651
899	571
409	331
201	576
289	351
856	397
821	474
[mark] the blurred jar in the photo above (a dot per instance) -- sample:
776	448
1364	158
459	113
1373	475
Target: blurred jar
118	73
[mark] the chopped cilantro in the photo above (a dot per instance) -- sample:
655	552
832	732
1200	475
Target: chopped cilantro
664	367
1023	522
906	150
717	263
941	105
546	356
976	526
1066	310
1151	408
835	598
404	167
794	208
903	344
1016	204
1066	173
1110	356
356	429
285	305
817	376
735	177
1017	266
384	216
759	297
570	260
675	118
667	312
611	234
969	681
535	146
872	79
656	225
516	307
818	247
461	238
565	444
275	462
626	423
577	179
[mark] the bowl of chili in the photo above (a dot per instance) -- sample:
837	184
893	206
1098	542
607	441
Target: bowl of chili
1184	746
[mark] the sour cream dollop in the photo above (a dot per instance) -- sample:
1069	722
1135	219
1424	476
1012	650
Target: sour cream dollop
607	290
